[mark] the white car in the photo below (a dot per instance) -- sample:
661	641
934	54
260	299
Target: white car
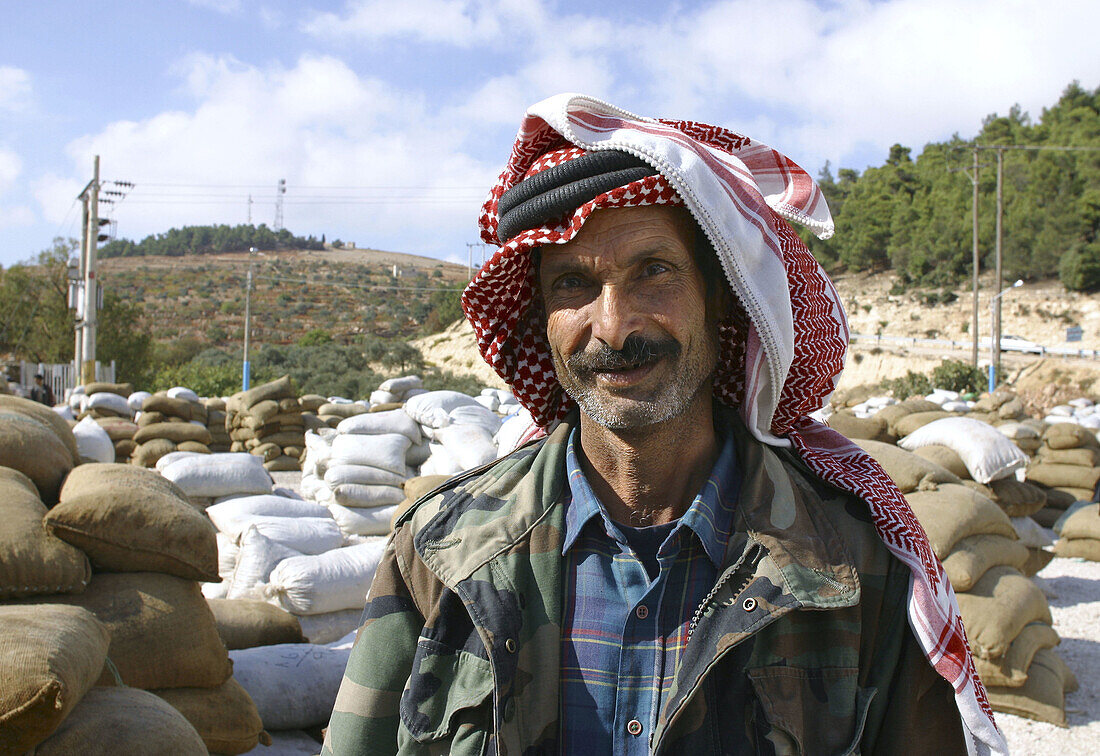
1010	343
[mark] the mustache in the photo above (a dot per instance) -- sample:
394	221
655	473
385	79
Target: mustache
636	352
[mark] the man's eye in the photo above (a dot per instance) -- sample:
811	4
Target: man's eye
656	268
569	282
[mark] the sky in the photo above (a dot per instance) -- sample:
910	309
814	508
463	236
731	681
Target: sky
389	121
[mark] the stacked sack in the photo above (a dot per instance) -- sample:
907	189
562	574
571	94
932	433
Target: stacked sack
267	421
336	409
310	404
1081	411
1067	467
171	421
215	423
1079	532
394	392
105	400
138	620
459	429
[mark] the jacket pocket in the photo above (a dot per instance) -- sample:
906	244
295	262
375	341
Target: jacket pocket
447	696
811	712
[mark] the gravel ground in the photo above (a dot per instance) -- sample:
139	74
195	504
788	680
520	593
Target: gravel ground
1073	588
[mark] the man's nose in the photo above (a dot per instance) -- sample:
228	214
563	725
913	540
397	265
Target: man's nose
614	318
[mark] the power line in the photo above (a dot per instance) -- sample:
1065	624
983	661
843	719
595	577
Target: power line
349	285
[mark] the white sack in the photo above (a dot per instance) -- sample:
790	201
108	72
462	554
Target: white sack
327	582
331	626
93	442
289	493
363	474
511	430
432	408
217	475
308	535
228	551
987	453
258	557
373	521
1017	431
475	414
441	462
956	406
293	685
171	457
65	411
402	384
310	486
214	590
418	454
182	392
1031	533
1064	410
386	451
108	401
470	445
384	397
488	402
359	496
1055	419
231	516
136	399
376	423
1081	403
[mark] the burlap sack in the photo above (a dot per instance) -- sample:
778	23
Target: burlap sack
994	401
162	632
1028	445
127	522
34	449
284	438
1064	476
919	404
225	717
1073	495
1011	409
1047	516
294	451
152	418
180	408
1083	456
891	414
1042	696
264	411
908	471
281	388
32	561
193	446
123	722
243	623
1069	436
283	464
955	512
124	450
118	429
214	403
147	454
267	451
1058	499
385	406
1018	499
44	415
122	389
973	556
998	607
1078	548
1082	523
946	458
176	432
915	420
847	424
311	402
50	656
341	410
1037	559
1010	670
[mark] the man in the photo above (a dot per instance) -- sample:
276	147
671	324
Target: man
40	392
685	563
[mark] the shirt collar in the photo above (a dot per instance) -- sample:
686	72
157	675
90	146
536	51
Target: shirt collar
710	515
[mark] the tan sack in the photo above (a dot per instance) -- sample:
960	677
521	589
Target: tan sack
162	632
44	415
997	609
122	389
973	556
176	432
147	454
955	512
909	471
1073	494
118	429
1082	523
123	722
847	424
1016	498
1047	516
945	457
916	420
419	486
50	657
283	464
243	623
193	446
264	411
1069	436
31	560
1064	476
1078	548
1037	559
1042	697
225	717
1010	670
131	523
341	410
281	388
1083	456
180	408
35	450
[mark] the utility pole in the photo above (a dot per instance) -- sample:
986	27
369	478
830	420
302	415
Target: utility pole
77	297
995	334
91	284
246	367
280	190
973	175
250	209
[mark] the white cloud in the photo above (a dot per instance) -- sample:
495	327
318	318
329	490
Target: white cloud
221	6
15	88
463	23
12	214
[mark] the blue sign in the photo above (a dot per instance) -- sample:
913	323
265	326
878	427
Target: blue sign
1074	333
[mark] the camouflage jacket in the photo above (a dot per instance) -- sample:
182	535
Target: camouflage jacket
802	647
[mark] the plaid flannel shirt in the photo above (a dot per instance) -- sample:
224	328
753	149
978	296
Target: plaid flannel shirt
623	633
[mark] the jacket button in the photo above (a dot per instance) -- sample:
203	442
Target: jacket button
510	644
510	710
749	604
634	727
642	612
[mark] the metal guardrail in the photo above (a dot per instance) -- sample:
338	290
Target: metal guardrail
1043	351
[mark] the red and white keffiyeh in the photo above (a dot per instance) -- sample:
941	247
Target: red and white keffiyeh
776	366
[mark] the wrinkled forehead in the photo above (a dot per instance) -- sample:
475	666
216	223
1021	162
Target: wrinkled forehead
623	234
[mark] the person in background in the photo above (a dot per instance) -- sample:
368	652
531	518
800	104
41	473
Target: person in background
41	392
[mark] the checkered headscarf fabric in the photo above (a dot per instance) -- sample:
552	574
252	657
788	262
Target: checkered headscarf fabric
779	360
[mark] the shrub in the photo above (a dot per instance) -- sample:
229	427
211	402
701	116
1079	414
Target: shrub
956	375
911	384
1079	269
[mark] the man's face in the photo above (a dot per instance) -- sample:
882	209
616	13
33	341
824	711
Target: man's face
626	316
